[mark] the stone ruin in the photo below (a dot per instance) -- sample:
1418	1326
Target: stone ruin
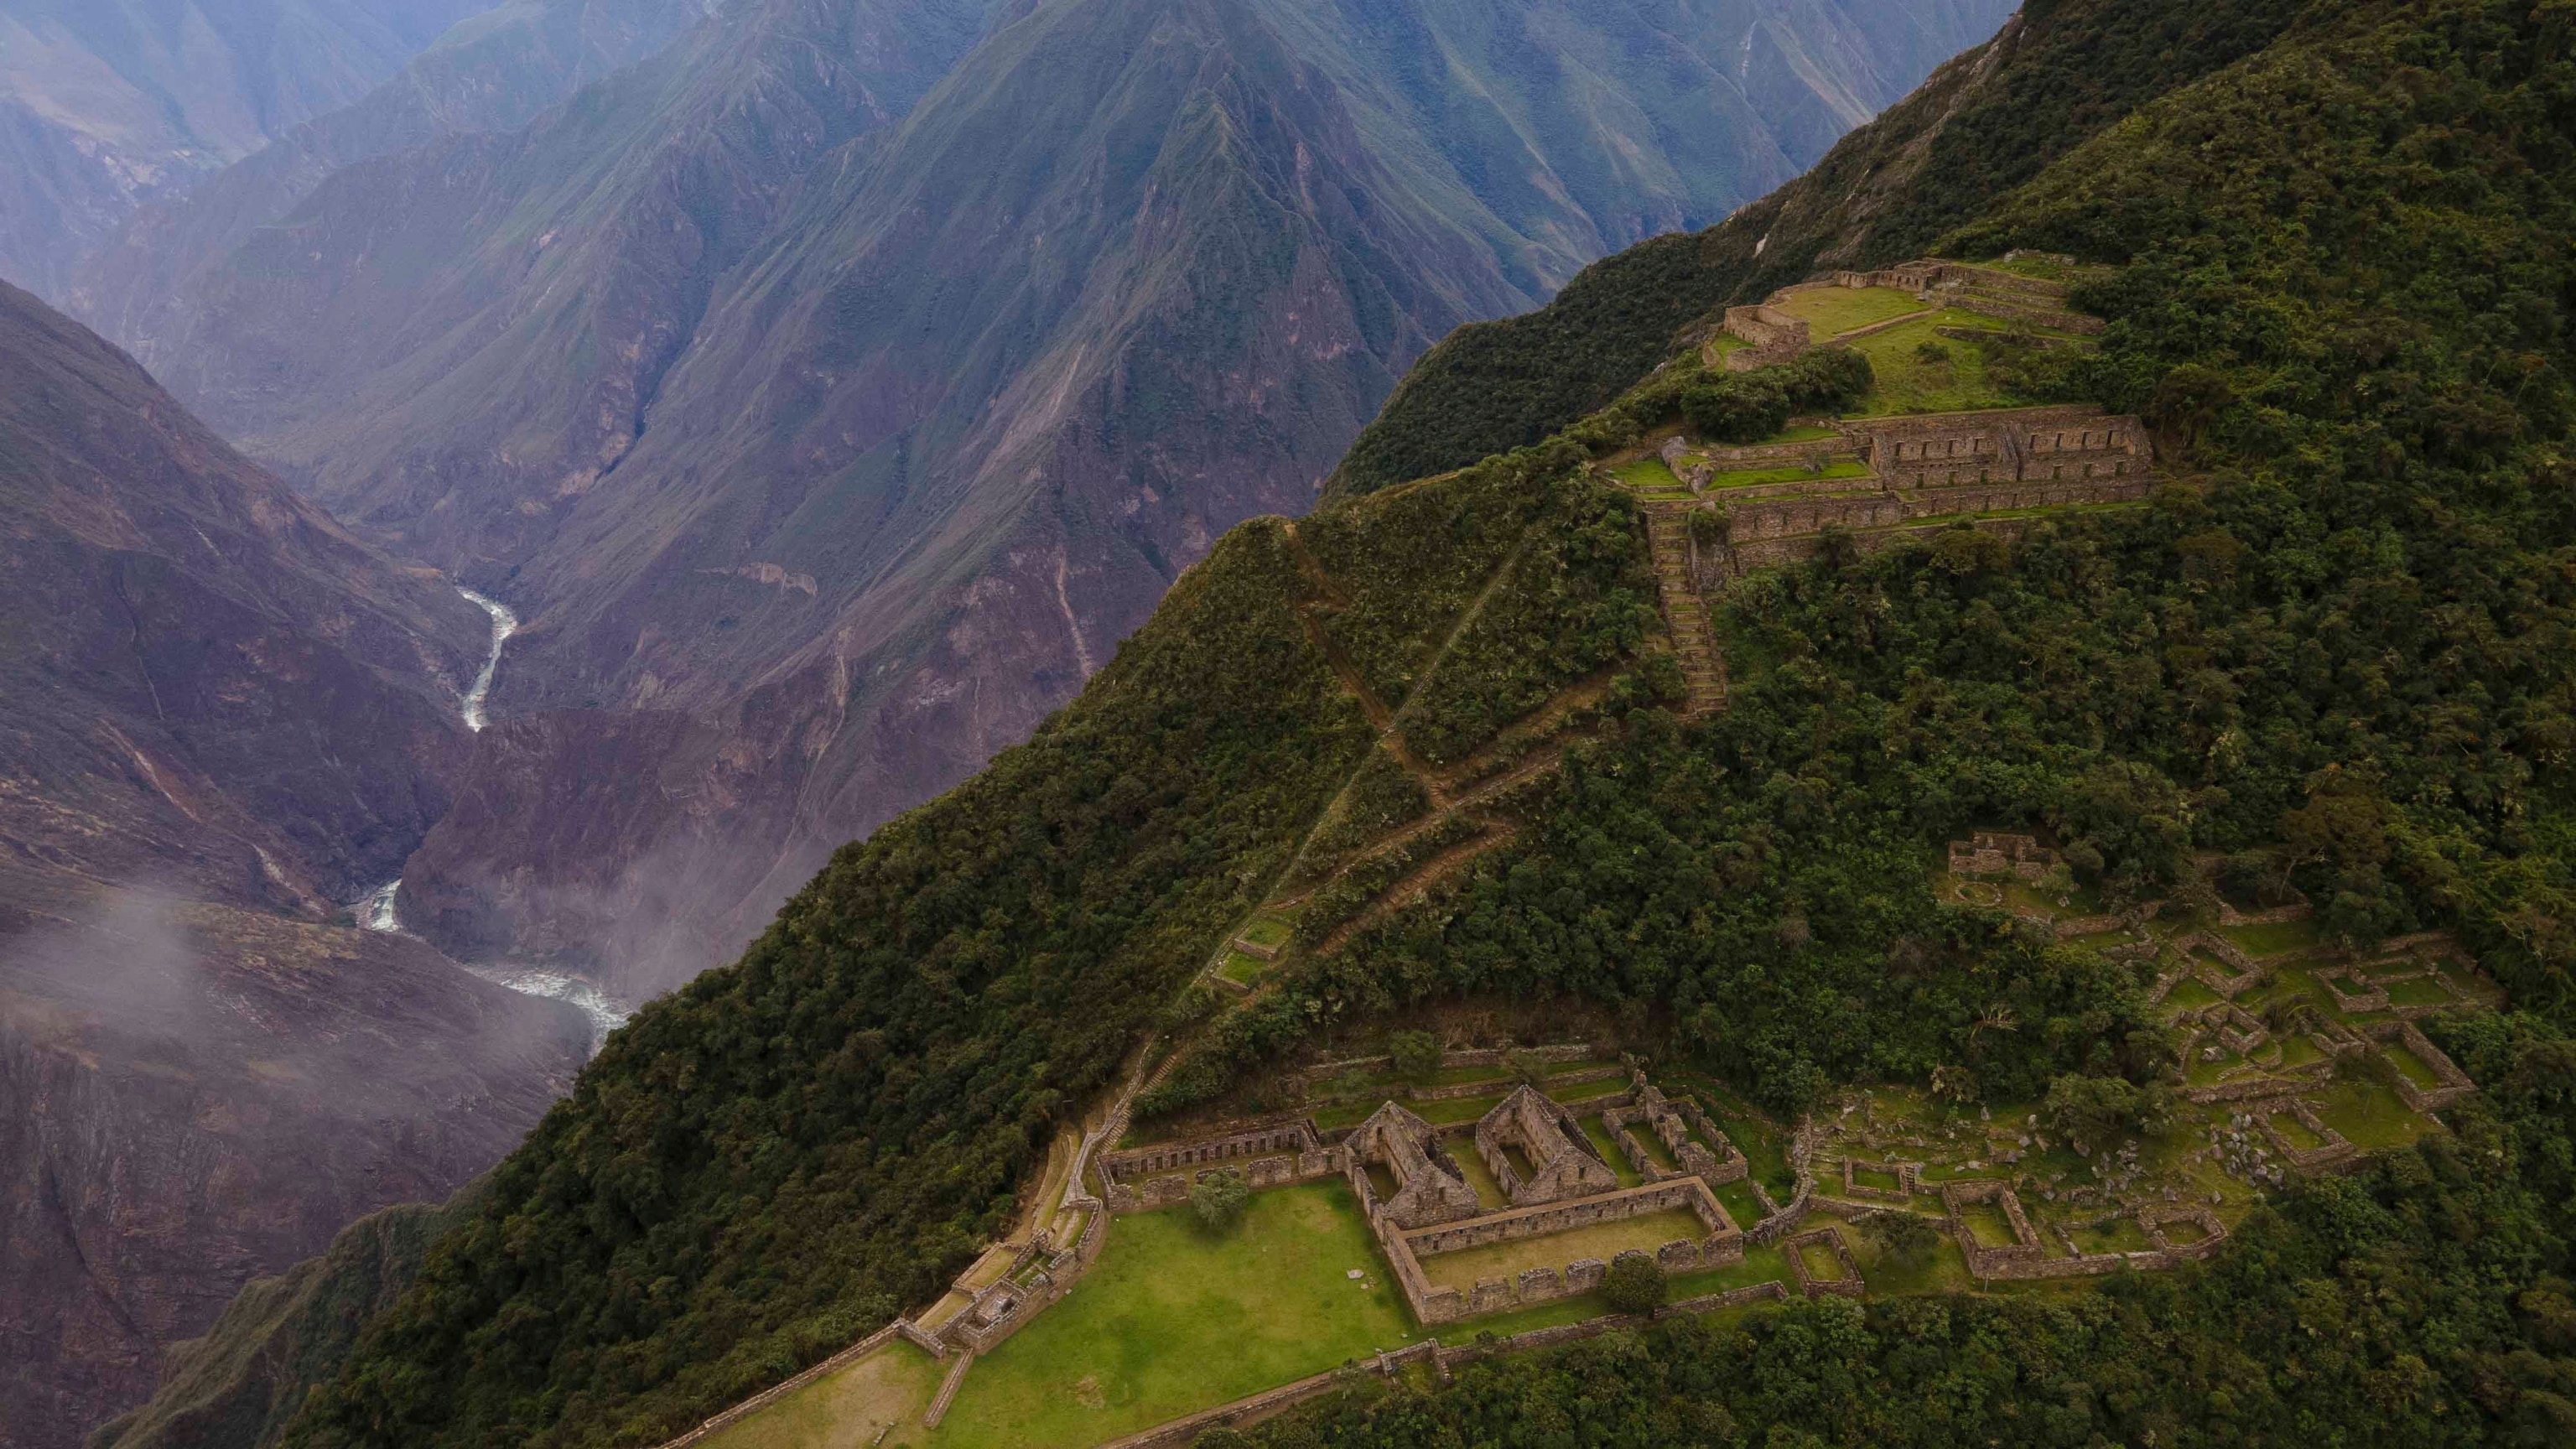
1983	290
2018	445
1770	336
1721	1244
2453	1083
1672	1123
1908	1175
2335	1149
1560	1161
1995	854
1269	1153
1847	1283
1430	1188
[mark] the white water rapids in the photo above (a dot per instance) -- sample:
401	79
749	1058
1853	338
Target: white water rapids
378	912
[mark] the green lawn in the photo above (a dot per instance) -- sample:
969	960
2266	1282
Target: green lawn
1831	311
1605	1241
1586	1091
1910	383
1609	1148
1757	477
1172	1321
1987	1223
1459	1109
2422	991
1740	1203
2296	1133
2274	939
1871	1178
1812	433
1471	1165
1242	969
2120	1235
2415	1068
888	1390
1268	931
2371	1115
1648	473
2190	994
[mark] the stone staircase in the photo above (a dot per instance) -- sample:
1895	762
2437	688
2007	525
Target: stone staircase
1694	641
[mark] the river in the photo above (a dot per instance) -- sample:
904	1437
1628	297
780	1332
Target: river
380	910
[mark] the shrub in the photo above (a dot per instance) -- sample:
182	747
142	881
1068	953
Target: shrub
1902	1236
1219	1200
1745	408
1635	1283
1416	1054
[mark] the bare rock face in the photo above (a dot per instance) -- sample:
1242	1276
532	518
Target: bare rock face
221	716
832	391
107	104
196	1096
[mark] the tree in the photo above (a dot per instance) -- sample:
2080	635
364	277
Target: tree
1416	1054
1219	1200
2093	1110
1902	1236
1745	408
1635	1283
1529	1066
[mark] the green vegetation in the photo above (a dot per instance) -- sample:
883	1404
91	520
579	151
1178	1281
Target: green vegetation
1652	474
1410	560
1382	797
1754	477
1577	599
2436	1351
885	1392
1605	1241
1218	1200
1907	1239
2079	67
1171	1321
1746	407
2341	648
1832	311
1921	371
809	1140
1634	1284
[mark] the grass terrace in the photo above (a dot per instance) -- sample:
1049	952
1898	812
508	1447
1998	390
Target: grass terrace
1173	1320
1830	312
1910	381
1760	477
1604	1241
1650	474
1607	1144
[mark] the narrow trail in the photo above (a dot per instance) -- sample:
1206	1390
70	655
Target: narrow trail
1380	718
1419	884
1685	613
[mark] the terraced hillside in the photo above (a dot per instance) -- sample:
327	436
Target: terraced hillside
1966	842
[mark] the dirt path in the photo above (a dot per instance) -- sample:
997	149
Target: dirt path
1417	885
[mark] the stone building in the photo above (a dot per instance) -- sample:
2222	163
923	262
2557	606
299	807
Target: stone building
1769	336
2000	853
1538	1153
1429	1188
2019	445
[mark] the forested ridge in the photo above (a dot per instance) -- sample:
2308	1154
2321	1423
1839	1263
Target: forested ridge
2336	650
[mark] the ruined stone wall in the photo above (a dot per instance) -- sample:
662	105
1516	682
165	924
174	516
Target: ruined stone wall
1770	336
1723	1244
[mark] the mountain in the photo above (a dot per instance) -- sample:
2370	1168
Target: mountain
1988	121
2328	649
106	104
494	72
829	425
225	716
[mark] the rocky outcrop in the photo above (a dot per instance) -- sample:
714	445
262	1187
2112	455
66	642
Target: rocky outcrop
221	717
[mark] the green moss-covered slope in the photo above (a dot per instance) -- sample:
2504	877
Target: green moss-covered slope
2335	650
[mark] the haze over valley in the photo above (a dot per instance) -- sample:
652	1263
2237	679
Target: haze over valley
820	390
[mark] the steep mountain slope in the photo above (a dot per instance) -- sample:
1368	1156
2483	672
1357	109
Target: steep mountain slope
823	482
2337	647
1988	121
224	715
107	103
494	72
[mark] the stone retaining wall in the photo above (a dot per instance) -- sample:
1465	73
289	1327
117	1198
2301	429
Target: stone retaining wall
1722	1245
1770	336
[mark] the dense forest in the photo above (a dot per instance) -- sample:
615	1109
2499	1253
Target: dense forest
2336	650
1988	122
2423	1301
